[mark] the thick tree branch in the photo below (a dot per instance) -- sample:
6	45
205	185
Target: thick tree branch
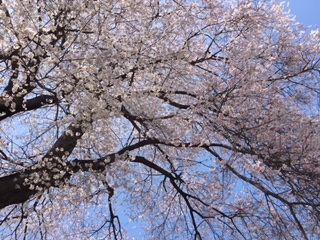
13	190
50	171
21	105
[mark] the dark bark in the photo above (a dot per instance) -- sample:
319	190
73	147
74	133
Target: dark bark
21	186
27	105
13	191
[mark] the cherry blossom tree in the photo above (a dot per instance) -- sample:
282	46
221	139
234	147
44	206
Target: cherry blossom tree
200	118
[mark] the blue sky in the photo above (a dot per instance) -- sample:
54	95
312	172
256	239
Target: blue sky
306	11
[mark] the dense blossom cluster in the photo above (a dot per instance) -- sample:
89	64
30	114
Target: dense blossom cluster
199	117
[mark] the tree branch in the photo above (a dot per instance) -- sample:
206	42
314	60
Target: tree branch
50	171
21	105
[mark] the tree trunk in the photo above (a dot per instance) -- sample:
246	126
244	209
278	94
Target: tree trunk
13	191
